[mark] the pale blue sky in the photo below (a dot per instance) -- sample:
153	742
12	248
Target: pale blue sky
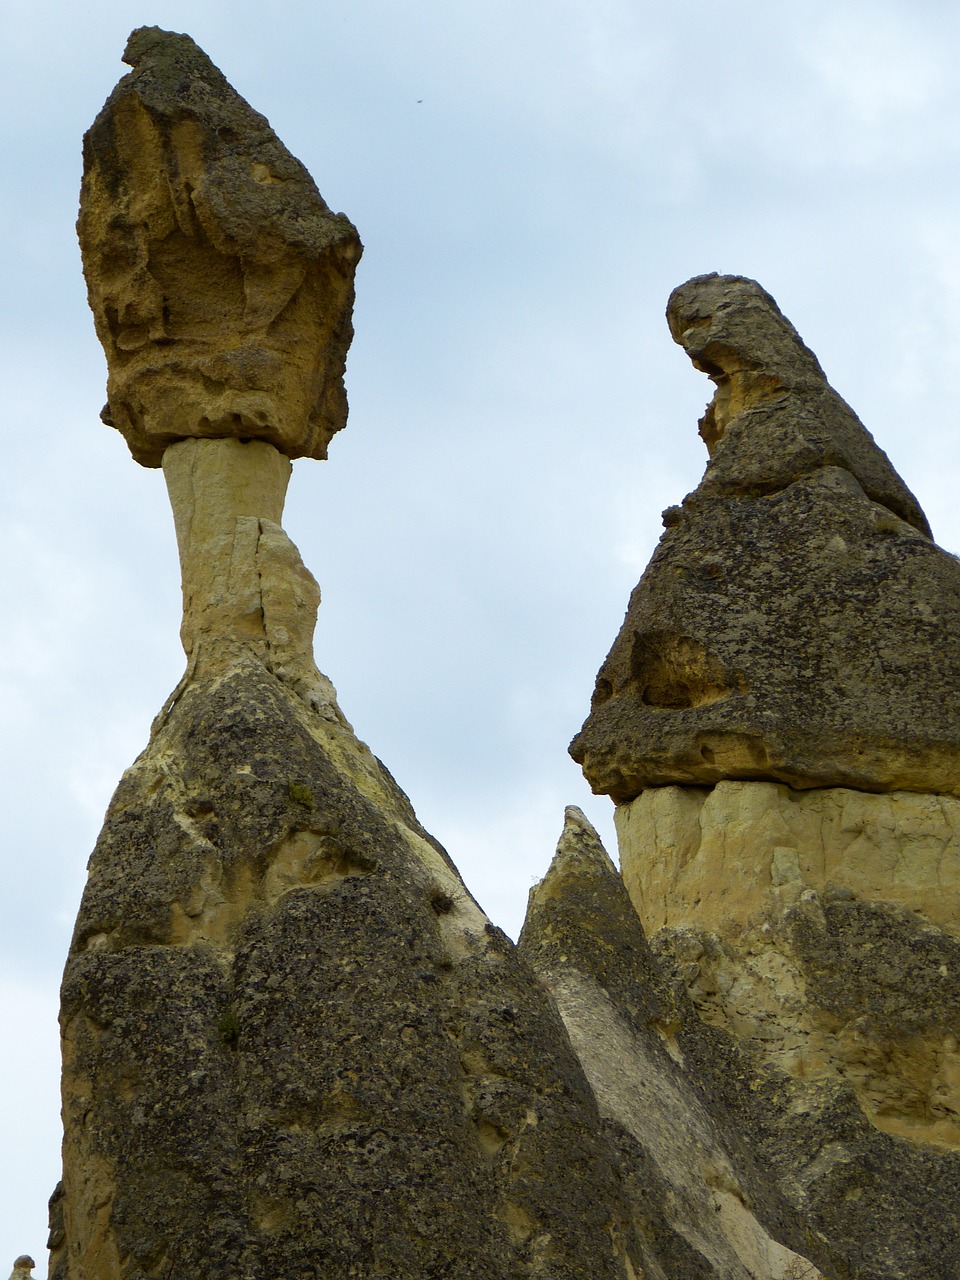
530	180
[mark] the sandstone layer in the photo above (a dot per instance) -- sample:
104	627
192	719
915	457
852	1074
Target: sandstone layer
786	625
220	282
821	927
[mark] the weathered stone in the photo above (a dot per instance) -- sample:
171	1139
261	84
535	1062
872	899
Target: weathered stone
22	1268
822	927
691	1206
220	282
246	592
785	625
293	1044
731	1159
723	856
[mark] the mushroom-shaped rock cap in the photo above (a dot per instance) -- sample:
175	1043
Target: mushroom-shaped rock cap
22	1267
221	283
796	622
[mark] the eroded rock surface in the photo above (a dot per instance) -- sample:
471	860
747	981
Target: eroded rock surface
693	1207
293	1045
821	927
736	1164
221	283
246	591
786	625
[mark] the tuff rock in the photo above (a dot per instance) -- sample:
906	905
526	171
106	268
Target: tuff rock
293	1044
785	625
220	282
735	1163
778	722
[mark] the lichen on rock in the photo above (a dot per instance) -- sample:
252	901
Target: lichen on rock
293	1044
784	628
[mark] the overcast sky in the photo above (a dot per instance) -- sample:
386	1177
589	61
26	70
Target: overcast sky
530	179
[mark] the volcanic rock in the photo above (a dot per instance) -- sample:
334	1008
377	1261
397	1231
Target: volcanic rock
293	1045
786	625
737	1164
694	1210
220	282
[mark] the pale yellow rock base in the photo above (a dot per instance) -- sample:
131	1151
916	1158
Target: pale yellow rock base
722	880
721	856
245	589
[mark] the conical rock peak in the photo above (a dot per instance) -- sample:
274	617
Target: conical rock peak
796	622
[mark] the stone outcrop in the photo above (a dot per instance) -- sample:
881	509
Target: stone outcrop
735	1164
22	1268
821	927
695	1193
778	722
220	282
785	625
293	1044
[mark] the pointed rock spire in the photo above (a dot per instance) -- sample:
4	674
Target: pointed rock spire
785	625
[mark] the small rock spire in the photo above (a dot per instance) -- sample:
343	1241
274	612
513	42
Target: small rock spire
22	1268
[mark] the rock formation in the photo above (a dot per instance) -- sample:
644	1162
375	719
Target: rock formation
293	1044
779	722
22	1268
785	626
220	282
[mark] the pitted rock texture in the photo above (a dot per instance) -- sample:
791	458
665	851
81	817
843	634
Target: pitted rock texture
691	1205
293	1044
733	1162
774	417
785	625
221	283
